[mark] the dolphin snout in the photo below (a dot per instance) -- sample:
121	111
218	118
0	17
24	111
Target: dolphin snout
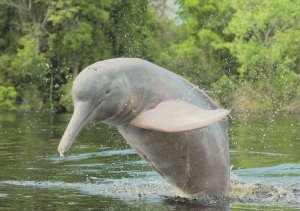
61	150
79	119
67	140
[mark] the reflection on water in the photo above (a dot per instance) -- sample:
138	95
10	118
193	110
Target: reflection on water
102	171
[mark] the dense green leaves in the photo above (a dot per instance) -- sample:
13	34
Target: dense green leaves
7	96
266	45
44	44
245	53
134	30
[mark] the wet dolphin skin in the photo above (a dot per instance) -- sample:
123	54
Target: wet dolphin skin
168	121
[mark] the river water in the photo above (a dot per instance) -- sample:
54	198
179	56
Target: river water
103	172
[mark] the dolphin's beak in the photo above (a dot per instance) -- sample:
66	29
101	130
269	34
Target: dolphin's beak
79	119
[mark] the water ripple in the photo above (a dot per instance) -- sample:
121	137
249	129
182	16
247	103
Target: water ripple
83	156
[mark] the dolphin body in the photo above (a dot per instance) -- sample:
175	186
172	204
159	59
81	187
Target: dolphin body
168	121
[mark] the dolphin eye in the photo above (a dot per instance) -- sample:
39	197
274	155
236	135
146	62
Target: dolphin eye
107	91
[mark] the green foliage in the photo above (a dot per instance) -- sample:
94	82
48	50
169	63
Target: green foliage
245	53
78	35
27	64
240	49
266	45
29	72
200	54
133	34
224	85
65	100
8	95
5	69
44	45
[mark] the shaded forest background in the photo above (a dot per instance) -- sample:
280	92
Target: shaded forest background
243	53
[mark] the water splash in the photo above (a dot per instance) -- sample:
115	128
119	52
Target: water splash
154	188
260	193
127	189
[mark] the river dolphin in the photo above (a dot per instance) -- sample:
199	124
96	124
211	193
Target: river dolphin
168	121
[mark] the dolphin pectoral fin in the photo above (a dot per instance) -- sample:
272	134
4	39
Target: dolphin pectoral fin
177	116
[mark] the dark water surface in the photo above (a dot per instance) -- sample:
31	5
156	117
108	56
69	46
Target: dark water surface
102	172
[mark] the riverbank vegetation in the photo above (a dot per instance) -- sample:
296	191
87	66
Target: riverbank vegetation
243	53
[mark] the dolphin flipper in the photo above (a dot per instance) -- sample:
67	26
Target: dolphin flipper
177	116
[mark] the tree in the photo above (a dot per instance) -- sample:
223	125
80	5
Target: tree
133	30
200	55
7	96
29	75
78	33
44	44
226	47
266	46
32	16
